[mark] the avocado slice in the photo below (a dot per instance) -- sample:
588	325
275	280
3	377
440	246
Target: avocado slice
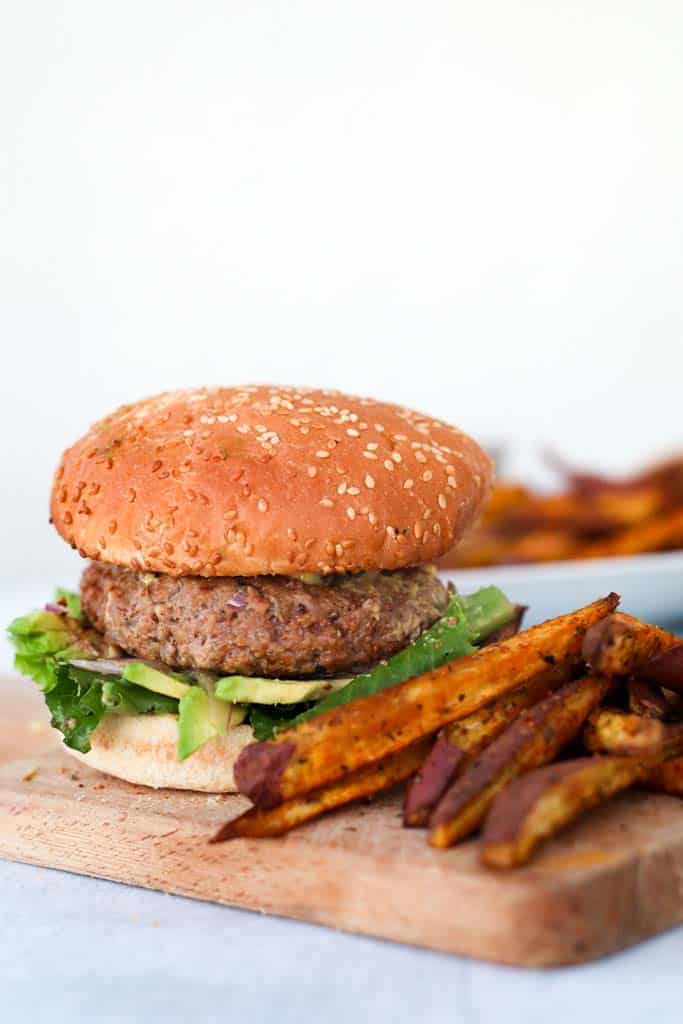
38	622
254	690
201	718
154	680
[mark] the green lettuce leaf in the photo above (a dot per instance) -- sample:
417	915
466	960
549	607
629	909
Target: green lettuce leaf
77	698
76	706
266	721
120	698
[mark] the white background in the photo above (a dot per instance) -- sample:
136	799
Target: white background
474	208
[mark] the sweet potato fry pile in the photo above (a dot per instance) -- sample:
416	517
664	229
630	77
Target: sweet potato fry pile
592	518
479	739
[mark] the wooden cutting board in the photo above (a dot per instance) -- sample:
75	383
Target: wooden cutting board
614	879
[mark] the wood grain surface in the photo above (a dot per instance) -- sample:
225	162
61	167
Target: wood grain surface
613	880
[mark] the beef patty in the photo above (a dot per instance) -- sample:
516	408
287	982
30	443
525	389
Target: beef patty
262	625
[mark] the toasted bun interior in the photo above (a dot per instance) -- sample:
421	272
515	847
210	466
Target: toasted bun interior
142	749
265	480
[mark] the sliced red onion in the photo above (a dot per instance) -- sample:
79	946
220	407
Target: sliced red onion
106	666
238	600
58	609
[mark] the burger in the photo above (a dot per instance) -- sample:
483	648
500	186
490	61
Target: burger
255	555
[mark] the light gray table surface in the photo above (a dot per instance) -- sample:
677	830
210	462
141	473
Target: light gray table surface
80	949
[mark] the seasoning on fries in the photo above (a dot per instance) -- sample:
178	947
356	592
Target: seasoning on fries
338	741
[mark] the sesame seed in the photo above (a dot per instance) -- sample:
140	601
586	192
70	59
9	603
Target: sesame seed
369	481
420	456
388	464
351	513
418	529
372	446
427	475
353	490
379	428
370	455
408	484
352	433
437	529
322	454
372	518
342	487
339	550
452	482
442	501
262	505
327	502
396	456
391	532
312	471
400	437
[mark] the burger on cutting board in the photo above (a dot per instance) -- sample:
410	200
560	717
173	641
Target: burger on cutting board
256	555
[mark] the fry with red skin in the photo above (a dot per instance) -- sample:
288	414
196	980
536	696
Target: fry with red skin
666	669
533	740
622	645
258	823
647	700
339	741
457	744
541	804
616	732
509	629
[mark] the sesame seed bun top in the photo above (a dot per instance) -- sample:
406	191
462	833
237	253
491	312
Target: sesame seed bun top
256	480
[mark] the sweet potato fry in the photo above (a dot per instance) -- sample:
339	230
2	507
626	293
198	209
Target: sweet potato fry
489	547
647	700
659	534
458	743
341	740
617	732
666	669
534	739
584	516
541	804
258	823
505	497
622	645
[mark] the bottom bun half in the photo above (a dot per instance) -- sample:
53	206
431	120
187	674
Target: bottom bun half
142	749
